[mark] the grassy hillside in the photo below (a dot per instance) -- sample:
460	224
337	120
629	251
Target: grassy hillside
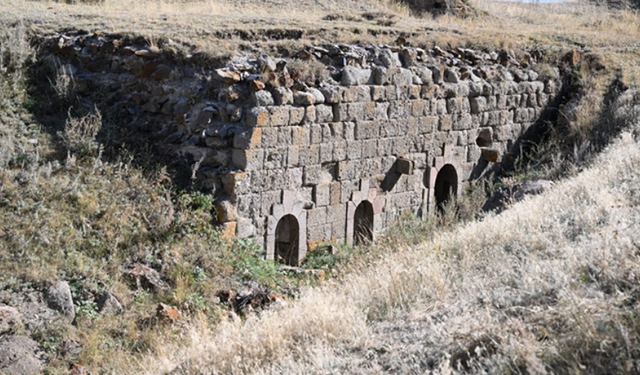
548	286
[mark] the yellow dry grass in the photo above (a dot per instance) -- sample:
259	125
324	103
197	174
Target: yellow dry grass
222	27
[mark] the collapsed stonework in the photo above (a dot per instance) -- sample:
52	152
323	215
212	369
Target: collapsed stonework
438	7
296	160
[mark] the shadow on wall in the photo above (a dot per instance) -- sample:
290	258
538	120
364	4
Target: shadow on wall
67	85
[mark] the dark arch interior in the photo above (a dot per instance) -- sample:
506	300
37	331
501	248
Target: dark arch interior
363	223
287	240
446	185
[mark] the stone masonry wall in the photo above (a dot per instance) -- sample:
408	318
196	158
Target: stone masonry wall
334	143
378	127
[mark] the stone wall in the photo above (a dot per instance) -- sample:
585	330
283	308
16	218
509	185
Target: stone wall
293	163
344	144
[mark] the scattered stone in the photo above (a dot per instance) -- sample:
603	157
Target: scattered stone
266	63
227	76
147	277
9	319
225	295
256	85
108	304
167	314
76	369
252	298
59	298
19	355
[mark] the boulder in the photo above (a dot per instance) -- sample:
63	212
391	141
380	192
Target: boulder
108	304
167	314
9	319
19	355
59	298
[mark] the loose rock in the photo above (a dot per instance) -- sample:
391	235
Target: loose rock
9	319
167	314
108	304
147	277
76	369
19	355
227	76
59	298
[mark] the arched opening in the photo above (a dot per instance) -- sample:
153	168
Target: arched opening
287	240
446	185
363	223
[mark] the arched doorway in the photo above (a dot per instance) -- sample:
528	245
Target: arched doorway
287	237
363	223
446	185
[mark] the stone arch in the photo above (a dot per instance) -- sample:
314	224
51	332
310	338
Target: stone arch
436	190
370	215
286	230
446	185
363	223
287	238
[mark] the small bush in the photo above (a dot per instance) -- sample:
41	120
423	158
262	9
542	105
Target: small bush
79	135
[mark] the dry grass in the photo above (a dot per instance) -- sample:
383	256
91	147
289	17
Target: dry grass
549	286
221	27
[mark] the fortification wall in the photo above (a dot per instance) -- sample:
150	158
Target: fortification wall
385	131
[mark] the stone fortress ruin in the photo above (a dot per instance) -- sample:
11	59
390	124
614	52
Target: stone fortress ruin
296	159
